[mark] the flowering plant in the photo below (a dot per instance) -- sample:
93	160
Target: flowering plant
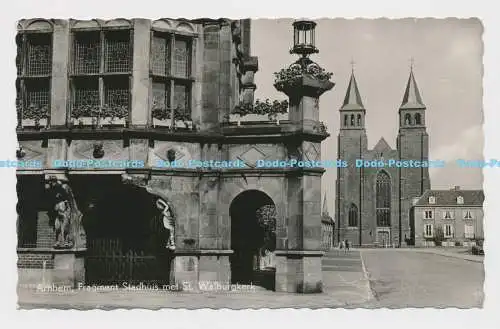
289	77
271	109
33	112
94	111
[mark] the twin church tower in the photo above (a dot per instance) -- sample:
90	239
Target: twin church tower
373	204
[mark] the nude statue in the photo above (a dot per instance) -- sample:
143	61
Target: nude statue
62	224
168	222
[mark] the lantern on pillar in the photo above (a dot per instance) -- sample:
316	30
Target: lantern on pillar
304	38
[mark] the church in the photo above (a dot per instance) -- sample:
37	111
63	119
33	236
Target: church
373	204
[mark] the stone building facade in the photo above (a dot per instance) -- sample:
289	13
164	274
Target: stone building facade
133	97
448	217
328	228
373	203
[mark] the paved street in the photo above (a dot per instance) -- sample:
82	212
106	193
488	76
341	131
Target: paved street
398	278
343	277
410	278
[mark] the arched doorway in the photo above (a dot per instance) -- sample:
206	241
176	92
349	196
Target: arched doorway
253	239
126	240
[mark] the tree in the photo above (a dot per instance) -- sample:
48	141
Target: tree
266	217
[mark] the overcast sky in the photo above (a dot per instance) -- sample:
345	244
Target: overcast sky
447	66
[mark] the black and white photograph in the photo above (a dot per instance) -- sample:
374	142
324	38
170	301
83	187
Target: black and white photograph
249	163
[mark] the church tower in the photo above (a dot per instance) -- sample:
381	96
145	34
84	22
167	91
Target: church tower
412	144
352	145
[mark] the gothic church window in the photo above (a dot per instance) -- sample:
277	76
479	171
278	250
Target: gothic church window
345	120
383	199
353	215
359	119
352	120
418	119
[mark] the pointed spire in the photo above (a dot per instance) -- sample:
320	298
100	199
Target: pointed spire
411	98
325	207
352	100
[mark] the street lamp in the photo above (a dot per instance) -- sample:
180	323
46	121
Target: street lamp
304	38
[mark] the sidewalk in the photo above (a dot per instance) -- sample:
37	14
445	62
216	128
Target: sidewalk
453	253
343	286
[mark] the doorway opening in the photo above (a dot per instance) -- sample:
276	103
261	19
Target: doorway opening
125	234
253	239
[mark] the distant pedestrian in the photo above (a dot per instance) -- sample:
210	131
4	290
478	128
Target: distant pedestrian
342	245
347	245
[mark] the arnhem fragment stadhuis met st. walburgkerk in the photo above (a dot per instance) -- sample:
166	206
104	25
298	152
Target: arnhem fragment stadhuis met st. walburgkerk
167	90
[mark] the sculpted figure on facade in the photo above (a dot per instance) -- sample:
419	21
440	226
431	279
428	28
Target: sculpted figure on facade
168	222
66	219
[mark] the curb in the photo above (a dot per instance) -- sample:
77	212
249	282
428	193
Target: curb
365	274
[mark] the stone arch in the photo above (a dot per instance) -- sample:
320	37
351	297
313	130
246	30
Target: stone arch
92	23
38	24
253	242
162	23
118	22
185	27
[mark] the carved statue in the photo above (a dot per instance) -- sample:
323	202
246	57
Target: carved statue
168	222
66	218
62	223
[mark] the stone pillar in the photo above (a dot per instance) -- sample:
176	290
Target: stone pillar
250	65
60	61
140	73
298	267
211	70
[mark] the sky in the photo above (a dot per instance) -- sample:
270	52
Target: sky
447	64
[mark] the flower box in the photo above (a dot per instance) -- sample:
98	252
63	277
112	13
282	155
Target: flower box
31	123
168	123
88	121
161	123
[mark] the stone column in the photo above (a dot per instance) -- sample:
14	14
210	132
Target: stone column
140	73
60	61
298	267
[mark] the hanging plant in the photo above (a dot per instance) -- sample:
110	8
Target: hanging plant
114	111
182	115
161	113
291	76
266	107
85	111
35	112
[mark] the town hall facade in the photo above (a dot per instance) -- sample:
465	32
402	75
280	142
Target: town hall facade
373	204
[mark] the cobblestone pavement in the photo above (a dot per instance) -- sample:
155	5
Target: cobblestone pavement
344	284
411	278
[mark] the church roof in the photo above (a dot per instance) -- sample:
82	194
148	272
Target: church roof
352	100
382	146
448	198
412	98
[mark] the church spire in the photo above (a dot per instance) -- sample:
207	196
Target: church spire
325	207
352	100
411	98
